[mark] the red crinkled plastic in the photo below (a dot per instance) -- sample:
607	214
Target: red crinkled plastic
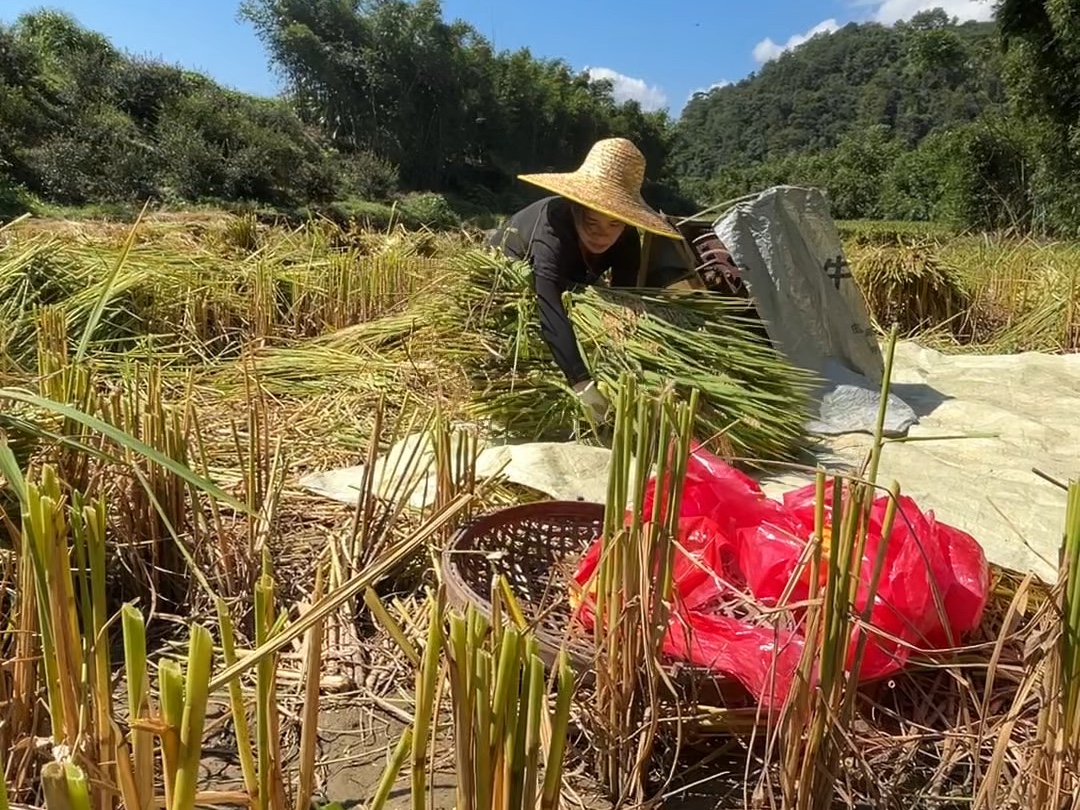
735	543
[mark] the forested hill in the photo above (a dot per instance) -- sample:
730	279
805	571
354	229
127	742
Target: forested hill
912	78
974	124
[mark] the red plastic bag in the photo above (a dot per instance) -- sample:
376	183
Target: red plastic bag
738	547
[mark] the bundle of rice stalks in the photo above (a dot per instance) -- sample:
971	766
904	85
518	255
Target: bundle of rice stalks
1035	294
399	354
240	234
908	283
753	402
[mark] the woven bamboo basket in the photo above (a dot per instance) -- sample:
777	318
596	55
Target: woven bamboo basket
537	547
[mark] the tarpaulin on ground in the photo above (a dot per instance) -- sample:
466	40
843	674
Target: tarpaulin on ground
739	553
791	258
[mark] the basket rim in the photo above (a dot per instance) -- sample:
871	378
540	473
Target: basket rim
463	591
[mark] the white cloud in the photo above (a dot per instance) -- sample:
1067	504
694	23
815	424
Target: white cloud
886	12
706	90
892	11
767	50
627	88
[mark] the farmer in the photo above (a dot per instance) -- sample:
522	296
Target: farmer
591	225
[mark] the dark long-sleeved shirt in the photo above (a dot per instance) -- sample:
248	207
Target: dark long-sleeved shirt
543	234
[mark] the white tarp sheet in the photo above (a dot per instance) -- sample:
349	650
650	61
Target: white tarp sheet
1024	408
562	471
791	257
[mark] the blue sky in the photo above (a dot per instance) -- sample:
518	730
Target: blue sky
657	57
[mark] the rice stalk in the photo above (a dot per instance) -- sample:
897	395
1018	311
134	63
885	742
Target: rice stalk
1053	780
391	626
64	380
192	715
908	283
305	787
1018	294
65	786
393	768
751	398
920	724
202	303
122	439
88	526
106	291
139	709
816	720
154	514
751	401
45	537
19	682
499	708
4	805
426	677
63	543
236	701
388	561
267	734
1070	610
171	691
241	232
817	717
633	582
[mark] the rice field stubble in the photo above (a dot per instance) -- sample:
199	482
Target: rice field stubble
251	354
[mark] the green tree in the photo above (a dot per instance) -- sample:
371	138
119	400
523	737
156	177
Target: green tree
1042	71
394	78
834	102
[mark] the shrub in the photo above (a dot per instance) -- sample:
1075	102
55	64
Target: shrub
102	159
374	215
430	210
193	169
364	175
14	200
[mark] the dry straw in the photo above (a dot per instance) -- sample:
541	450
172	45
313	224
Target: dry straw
992	725
909	284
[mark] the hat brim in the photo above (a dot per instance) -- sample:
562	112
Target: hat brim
605	198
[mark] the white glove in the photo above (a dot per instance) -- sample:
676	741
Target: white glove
594	403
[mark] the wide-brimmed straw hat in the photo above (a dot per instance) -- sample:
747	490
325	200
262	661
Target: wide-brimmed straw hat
609	182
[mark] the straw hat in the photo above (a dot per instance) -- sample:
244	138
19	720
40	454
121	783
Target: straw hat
609	182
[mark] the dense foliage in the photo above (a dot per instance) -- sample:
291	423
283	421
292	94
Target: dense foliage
81	122
975	124
972	124
910	79
434	98
389	99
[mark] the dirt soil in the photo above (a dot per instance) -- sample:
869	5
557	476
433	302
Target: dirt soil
356	739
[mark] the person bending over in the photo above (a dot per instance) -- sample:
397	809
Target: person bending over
588	228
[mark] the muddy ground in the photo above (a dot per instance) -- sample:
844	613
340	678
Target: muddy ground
356	739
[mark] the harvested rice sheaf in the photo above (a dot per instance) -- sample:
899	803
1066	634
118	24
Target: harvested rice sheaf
754	403
908	283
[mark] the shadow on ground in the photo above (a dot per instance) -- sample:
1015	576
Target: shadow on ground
920	397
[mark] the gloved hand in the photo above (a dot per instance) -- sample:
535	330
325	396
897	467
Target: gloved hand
594	403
